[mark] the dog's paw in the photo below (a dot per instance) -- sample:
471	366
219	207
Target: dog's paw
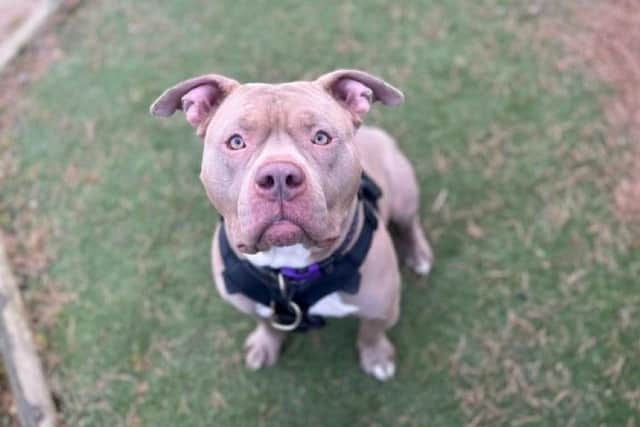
378	360
421	266
262	348
420	258
420	263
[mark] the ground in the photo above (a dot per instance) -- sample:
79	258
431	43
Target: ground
530	316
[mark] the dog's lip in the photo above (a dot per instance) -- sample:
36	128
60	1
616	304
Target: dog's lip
283	220
281	223
328	242
321	243
280	220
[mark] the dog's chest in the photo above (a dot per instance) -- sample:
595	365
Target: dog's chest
297	256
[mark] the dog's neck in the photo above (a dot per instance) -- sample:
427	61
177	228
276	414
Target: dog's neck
298	256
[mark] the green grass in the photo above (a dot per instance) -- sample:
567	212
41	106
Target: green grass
517	327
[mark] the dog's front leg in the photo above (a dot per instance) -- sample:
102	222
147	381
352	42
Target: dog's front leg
377	354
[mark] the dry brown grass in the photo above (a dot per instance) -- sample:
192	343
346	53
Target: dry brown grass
500	384
604	40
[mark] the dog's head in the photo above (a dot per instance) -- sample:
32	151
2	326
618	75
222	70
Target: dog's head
278	160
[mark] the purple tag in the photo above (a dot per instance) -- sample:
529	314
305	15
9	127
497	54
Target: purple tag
309	273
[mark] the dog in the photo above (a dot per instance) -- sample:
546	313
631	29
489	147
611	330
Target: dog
305	193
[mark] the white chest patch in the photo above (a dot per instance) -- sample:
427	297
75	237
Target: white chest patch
332	306
294	256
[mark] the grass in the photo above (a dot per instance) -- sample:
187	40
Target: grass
529	318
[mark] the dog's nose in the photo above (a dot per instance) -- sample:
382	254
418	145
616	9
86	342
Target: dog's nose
280	181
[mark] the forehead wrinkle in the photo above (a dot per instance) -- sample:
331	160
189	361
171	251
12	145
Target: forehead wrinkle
306	120
277	111
248	123
257	110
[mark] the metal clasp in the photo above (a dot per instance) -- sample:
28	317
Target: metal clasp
285	327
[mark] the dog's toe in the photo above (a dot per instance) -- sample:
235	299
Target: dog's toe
421	267
384	371
262	348
256	358
377	359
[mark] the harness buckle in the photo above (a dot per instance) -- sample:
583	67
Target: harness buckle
285	327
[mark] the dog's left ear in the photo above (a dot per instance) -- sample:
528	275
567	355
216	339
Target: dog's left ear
357	90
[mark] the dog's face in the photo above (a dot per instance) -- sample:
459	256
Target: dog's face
279	165
278	160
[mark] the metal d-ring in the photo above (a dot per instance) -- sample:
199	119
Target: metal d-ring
285	327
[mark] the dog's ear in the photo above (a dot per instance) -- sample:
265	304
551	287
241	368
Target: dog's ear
357	90
198	98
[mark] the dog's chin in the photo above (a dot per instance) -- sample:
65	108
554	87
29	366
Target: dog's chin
285	232
281	233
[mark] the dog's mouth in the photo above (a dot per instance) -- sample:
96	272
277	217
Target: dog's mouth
285	231
268	225
281	232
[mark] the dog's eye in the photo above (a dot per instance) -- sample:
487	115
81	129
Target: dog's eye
236	142
321	138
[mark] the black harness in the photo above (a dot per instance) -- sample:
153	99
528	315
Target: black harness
290	292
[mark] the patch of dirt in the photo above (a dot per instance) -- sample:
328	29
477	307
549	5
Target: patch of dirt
604	40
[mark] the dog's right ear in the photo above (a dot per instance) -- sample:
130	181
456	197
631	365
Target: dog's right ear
198	98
